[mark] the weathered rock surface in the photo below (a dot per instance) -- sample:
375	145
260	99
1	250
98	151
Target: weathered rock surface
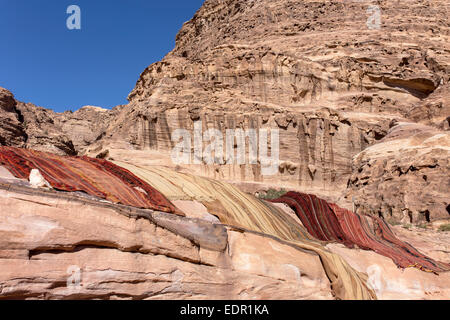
68	133
86	125
363	116
43	134
389	282
430	241
392	283
405	177
312	69
28	126
315	70
64	246
11	130
68	248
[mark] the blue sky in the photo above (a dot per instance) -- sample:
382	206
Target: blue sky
43	62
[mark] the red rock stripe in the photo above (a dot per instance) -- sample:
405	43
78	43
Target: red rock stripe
328	222
96	177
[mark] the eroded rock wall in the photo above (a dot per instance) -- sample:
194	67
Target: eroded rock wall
318	71
68	248
312	69
405	177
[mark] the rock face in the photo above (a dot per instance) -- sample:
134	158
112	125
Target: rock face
11	130
312	69
25	125
320	72
405	177
68	133
86	125
66	247
363	117
43	133
390	282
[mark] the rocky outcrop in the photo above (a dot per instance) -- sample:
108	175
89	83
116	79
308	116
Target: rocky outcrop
68	133
317	71
43	134
68	247
390	282
25	125
311	69
405	177
11	130
85	126
363	119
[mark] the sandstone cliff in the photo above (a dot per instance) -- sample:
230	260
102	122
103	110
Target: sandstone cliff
11	129
363	115
405	177
58	245
68	133
315	70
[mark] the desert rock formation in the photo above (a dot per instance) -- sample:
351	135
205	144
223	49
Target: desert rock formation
315	70
68	133
405	177
67	246
11	129
311	69
363	115
51	249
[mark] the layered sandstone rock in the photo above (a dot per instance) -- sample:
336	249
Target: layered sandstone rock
312	69
86	125
405	177
11	130
318	71
67	247
25	125
42	131
390	282
68	133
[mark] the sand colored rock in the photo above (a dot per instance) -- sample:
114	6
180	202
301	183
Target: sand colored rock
392	283
405	177
58	248
68	133
315	70
363	120
11	130
195	209
310	69
86	125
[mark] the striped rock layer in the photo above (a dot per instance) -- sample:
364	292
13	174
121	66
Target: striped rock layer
329	222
